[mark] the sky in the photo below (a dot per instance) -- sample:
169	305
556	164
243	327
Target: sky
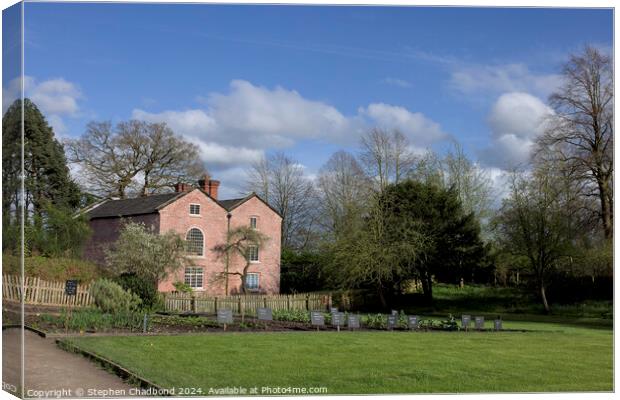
241	81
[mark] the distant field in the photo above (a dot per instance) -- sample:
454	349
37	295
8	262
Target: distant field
557	357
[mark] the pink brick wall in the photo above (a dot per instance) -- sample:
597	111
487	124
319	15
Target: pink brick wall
213	224
268	265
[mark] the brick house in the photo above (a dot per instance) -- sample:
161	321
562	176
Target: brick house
203	220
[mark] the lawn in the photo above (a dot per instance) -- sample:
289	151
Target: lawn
553	357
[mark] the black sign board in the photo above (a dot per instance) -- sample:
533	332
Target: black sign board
71	287
391	321
353	321
224	316
413	322
317	318
479	323
264	314
498	324
337	319
465	320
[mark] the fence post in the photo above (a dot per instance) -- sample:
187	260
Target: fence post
307	302
215	304
192	303
265	301
288	302
239	301
329	301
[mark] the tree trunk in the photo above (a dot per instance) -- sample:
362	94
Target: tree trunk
543	296
606	212
381	296
427	287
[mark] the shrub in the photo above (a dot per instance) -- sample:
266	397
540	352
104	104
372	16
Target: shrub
375	321
292	315
145	289
110	297
182	287
52	268
93	320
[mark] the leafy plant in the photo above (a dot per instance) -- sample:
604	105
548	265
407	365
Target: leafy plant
110	297
144	288
182	287
292	315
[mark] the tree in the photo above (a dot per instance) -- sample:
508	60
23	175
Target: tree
386	156
432	232
146	254
133	156
242	241
281	182
343	190
472	183
46	175
365	256
534	223
581	131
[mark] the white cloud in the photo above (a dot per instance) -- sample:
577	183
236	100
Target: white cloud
470	79
420	130
516	120
56	98
235	128
189	122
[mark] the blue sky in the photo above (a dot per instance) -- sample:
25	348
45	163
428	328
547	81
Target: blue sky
244	80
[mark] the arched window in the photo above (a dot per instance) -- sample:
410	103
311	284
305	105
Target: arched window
194	242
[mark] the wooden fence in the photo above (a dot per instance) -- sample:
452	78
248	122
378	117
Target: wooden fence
246	304
37	291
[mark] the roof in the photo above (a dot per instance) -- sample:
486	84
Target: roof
151	204
136	206
231	203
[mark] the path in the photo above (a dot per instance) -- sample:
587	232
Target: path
52	372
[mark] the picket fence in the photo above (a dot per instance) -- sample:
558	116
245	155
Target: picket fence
40	292
245	304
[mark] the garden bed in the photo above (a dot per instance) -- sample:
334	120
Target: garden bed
91	321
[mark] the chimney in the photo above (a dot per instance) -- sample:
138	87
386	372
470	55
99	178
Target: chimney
212	186
182	187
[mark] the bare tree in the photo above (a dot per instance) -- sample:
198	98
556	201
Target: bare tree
581	132
242	242
474	186
168	160
133	156
387	156
535	223
343	189
281	182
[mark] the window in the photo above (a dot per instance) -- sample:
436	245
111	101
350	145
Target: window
253	253
253	222
251	281
194	209
193	277
194	242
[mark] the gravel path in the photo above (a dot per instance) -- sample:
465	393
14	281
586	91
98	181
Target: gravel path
52	372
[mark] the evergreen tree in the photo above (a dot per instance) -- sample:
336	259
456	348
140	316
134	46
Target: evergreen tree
47	181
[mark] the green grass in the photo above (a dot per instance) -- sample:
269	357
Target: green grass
555	357
504	300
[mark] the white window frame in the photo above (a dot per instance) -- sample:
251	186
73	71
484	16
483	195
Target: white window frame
255	219
257	281
202	255
257	260
190	210
195	273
